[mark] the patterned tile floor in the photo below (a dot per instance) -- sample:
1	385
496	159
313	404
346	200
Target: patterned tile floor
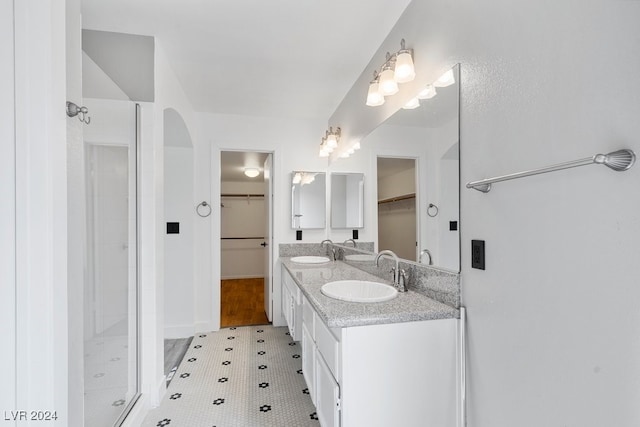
247	376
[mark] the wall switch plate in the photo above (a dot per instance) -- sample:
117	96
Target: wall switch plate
298	234
477	254
173	228
354	234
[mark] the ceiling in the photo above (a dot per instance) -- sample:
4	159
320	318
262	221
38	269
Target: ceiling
232	164
279	58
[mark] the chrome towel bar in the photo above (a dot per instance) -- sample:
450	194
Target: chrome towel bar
619	161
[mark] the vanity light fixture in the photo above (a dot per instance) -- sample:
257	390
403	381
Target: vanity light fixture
397	68
374	97
329	142
251	172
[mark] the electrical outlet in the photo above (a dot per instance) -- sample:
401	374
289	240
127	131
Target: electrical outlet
298	234
354	234
477	254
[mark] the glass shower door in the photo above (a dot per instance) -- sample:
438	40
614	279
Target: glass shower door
111	286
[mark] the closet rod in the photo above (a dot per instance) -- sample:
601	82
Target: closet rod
397	199
242	238
241	195
619	161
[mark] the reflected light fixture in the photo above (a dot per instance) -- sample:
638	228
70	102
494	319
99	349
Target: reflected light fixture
251	172
427	93
329	142
447	79
413	103
397	68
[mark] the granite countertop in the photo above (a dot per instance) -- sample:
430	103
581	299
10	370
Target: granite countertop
406	307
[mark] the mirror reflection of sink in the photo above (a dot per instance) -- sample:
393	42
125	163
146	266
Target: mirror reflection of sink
310	259
359	291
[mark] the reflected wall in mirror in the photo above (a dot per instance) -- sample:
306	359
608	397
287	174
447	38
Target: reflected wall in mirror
308	200
347	200
430	133
397	215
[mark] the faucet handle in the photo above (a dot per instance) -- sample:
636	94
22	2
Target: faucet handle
393	273
402	280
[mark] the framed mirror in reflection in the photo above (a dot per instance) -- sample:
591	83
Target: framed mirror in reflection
417	177
308	200
347	200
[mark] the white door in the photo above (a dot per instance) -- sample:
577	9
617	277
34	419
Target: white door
268	239
7	207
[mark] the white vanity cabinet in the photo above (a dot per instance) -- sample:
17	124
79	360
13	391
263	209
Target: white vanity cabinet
400	374
291	305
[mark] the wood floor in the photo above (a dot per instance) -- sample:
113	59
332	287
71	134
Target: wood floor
242	302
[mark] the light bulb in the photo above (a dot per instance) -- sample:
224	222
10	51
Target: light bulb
297	178
324	152
388	85
447	79
344	154
374	97
427	93
332	140
251	172
405	71
413	103
356	146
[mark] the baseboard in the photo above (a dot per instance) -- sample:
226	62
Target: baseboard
136	416
206	327
249	276
183	331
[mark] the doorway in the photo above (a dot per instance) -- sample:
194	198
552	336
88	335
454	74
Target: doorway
397	214
244	238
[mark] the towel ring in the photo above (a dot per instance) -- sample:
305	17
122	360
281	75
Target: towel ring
430	210
206	206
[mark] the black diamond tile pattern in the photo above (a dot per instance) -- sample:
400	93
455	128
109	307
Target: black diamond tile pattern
259	385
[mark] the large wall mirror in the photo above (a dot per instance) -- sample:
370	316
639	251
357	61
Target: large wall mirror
308	200
347	200
419	220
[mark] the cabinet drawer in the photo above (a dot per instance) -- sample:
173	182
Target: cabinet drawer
328	346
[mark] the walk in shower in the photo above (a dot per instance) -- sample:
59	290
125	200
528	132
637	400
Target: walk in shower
111	354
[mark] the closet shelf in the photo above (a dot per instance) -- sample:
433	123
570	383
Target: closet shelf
397	198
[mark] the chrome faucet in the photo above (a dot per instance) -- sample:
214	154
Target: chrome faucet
350	240
329	247
426	252
399	276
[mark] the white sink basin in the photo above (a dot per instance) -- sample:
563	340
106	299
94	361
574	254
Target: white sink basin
310	259
359	291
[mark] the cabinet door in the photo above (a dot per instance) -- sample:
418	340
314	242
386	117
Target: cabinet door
327	395
309	361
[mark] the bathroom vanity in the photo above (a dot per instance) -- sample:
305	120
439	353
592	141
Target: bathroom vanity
374	364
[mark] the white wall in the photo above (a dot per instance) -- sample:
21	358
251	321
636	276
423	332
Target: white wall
242	217
554	330
76	244
179	263
41	299
7	207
